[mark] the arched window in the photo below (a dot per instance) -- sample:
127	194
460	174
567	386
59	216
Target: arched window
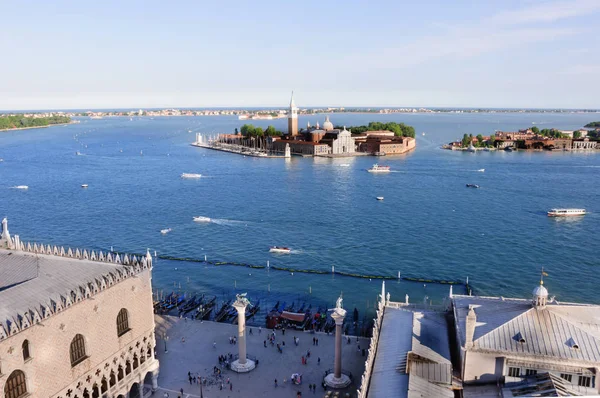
25	347
77	350
122	322
15	385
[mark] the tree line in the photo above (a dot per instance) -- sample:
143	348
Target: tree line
592	124
399	129
21	121
249	130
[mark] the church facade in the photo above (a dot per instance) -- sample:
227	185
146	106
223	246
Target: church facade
74	323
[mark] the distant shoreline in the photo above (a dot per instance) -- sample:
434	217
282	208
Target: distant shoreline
37	127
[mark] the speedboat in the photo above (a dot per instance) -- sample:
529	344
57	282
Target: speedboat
379	169
345	165
84	185
21	187
165	231
380	198
78	153
472	186
190	175
566	212
201	219
278	249
481	170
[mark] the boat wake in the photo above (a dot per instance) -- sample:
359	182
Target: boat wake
231	223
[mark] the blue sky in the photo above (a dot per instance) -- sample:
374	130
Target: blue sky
111	54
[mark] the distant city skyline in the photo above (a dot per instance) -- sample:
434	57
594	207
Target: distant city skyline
112	55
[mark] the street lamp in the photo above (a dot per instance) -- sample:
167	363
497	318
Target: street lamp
165	338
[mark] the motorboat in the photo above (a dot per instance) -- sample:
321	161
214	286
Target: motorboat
379	169
21	187
165	231
345	165
481	170
84	185
566	212
279	249
380	198
78	153
472	186
201	219
471	148
190	175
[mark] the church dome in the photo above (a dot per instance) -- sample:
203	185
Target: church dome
327	125
540	291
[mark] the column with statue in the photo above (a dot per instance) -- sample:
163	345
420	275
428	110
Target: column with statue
242	364
337	379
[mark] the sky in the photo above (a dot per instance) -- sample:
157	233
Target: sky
432	53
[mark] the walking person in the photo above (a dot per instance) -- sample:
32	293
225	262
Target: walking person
230	387
275	382
318	360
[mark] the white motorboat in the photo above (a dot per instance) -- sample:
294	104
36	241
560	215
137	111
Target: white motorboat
471	148
566	212
380	198
379	169
481	170
201	219
84	185
165	231
279	249
78	153
190	175
21	187
345	165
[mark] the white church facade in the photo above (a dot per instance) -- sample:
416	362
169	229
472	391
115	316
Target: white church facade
74	323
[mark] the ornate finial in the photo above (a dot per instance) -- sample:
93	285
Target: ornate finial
339	303
542	276
242	299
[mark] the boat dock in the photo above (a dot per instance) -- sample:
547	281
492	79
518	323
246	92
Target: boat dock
239	149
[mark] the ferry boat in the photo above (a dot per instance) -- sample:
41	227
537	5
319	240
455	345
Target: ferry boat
379	198
379	169
201	219
566	212
21	187
278	249
190	175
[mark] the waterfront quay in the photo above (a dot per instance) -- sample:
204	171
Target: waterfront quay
193	346
239	149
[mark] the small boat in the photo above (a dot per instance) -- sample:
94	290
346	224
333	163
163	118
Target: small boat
423	133
165	231
278	249
380	198
379	169
190	175
472	186
21	187
481	170
84	185
508	149
345	165
201	219
379	154
78	153
566	212
471	148
1	160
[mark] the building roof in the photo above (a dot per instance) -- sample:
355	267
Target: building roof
42	280
564	331
541	385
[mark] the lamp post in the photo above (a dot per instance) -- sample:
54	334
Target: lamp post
165	338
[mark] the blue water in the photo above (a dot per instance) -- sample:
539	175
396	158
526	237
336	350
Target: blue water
429	224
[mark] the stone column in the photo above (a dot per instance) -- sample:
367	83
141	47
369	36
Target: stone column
337	379
154	380
141	388
242	364
337	366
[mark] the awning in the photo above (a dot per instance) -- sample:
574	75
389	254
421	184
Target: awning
292	316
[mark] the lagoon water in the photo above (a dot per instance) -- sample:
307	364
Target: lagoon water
429	225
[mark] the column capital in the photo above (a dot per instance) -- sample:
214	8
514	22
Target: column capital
338	316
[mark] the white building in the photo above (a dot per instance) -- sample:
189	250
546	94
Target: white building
74	323
506	340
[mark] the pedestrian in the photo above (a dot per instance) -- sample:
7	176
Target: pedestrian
181	391
215	345
166	395
318	360
275	382
190	377
314	341
283	331
259	329
358	348
303	360
364	352
265	343
250	330
230	387
317	341
283	343
308	353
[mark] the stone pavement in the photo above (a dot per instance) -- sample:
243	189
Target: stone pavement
196	354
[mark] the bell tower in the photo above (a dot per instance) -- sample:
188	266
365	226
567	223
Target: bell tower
293	118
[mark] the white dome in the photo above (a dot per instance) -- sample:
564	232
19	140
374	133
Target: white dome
327	125
540	291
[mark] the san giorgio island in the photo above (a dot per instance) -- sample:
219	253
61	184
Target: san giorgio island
534	139
376	138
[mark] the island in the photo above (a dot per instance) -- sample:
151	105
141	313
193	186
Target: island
20	121
593	125
529	139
